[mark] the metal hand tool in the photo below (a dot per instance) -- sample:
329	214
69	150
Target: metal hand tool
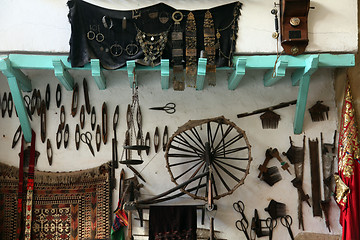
168	108
286	221
239	206
242	226
86	138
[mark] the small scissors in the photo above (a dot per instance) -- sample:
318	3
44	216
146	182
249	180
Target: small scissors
86	138
242	225
286	221
240	207
168	108
27	102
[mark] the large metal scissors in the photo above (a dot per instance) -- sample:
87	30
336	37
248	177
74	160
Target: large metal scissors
240	207
168	108
271	224
286	221
242	225
27	102
86	138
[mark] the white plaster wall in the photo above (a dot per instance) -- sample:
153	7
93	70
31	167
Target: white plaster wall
42	25
191	104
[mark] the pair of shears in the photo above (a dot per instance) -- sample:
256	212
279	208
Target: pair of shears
168	108
86	138
240	207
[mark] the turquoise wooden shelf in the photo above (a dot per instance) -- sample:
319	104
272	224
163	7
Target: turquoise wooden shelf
304	65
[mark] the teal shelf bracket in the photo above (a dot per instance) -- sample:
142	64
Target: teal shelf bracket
302	76
237	74
130	65
10	72
165	73
311	65
97	74
63	75
201	72
280	70
17	78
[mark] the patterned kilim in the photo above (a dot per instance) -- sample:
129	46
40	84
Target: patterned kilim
72	205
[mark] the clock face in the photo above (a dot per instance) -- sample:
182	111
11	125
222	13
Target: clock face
295	21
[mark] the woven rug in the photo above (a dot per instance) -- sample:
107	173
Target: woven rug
71	205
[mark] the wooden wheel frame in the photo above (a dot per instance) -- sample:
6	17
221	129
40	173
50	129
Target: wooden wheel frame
214	145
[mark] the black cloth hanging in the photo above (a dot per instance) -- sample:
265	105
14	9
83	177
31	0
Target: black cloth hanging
172	222
100	33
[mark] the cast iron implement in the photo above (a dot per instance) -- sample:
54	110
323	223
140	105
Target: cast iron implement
259	225
16	137
47	96
315	177
75	100
4	105
296	156
77	136
66	136
262	110
58	95
58	137
49	152
10	105
93	118
82	116
98	138
86	96
43	120
104	125
276	209
168	108
328	153
319	112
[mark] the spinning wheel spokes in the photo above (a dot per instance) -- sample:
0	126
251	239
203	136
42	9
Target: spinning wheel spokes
220	148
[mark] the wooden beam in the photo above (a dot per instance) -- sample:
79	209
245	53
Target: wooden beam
301	104
272	77
130	66
311	65
10	72
97	74
63	75
165	73
238	73
201	72
20	108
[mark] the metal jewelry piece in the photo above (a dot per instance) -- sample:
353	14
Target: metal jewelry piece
4	105
66	136
98	138
86	96
156	139
164	17
62	117
93	118
47	96
177	52
49	152
16	137
165	138
10	105
131	49
75	98
116	50
43	120
77	136
58	95
104	123
191	51
58	137
90	35
82	116
100	37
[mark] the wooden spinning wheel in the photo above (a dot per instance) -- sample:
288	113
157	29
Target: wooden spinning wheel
215	146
